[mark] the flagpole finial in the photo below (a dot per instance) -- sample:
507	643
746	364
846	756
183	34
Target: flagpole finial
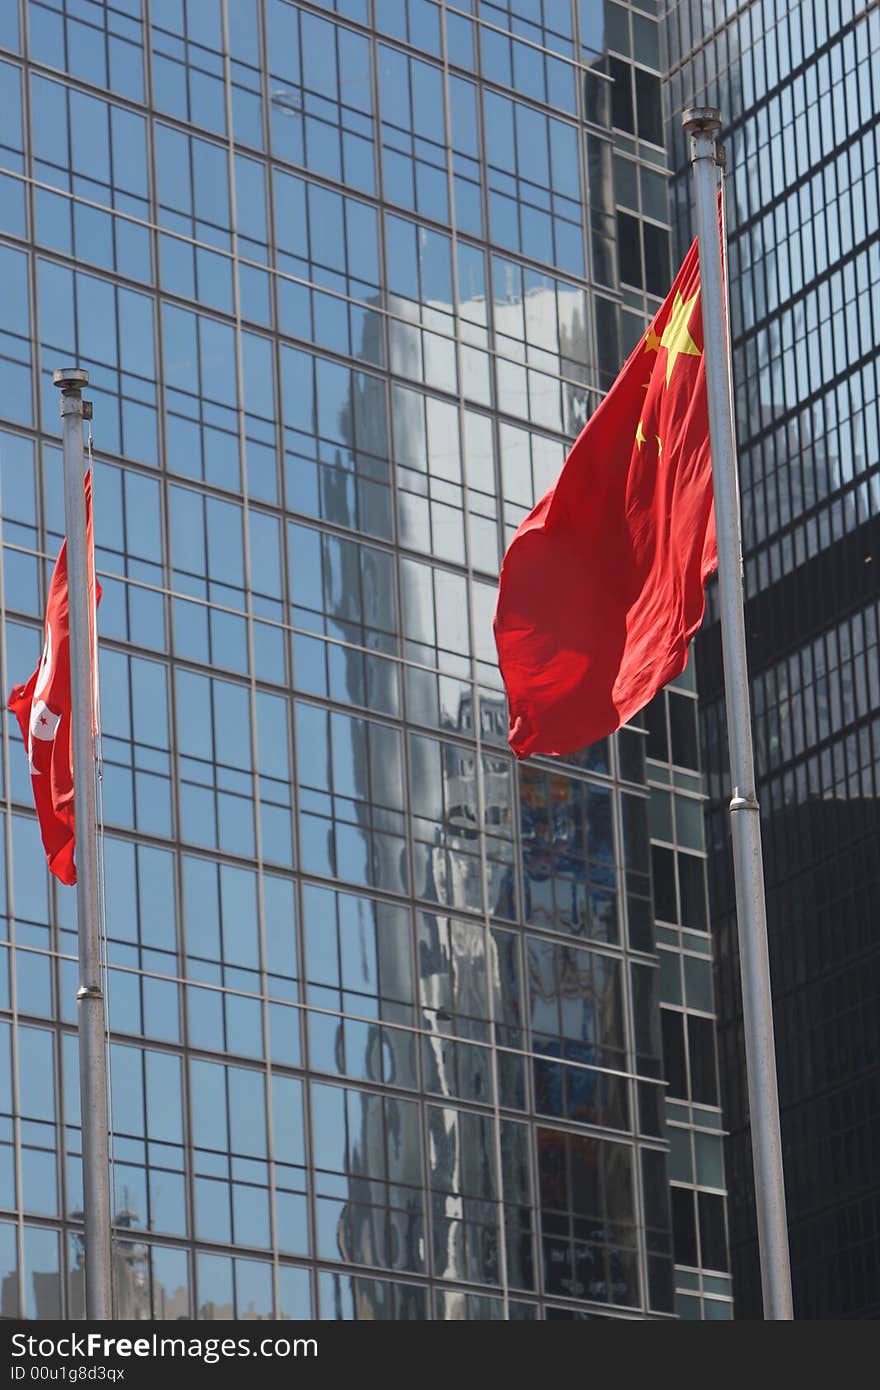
701	119
70	378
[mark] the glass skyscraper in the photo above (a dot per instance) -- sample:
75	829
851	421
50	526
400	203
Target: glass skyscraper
386	1040
799	86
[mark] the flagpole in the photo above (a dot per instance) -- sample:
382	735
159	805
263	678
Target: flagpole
745	817
90	995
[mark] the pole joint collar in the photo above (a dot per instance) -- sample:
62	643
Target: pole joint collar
89	992
72	403
744	803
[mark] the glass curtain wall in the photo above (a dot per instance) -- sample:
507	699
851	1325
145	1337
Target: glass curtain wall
347	278
798	87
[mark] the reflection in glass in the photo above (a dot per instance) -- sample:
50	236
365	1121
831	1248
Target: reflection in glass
569	879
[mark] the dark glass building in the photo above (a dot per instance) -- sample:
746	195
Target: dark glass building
347	277
798	86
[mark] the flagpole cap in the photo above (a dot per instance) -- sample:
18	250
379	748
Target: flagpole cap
701	120
70	378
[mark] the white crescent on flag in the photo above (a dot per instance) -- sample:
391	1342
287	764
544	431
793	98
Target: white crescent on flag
44	670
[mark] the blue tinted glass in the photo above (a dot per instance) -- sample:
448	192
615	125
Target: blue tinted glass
402	256
499	119
354	70
9	27
319	42
49	121
394	87
244	31
15	313
427	100
391	17
10	96
463	102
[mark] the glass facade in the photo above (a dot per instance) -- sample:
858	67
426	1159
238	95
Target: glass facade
799	86
386	1038
693	1107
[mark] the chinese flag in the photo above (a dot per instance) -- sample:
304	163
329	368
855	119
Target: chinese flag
43	710
601	588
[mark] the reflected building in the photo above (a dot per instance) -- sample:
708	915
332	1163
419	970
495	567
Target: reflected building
386	1036
796	93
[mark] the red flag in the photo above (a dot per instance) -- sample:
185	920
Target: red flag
43	710
601	588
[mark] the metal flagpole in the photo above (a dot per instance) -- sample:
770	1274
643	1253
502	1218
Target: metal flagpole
745	817
90	995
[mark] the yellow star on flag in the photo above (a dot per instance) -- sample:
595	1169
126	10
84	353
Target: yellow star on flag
640	434
652	341
659	445
675	337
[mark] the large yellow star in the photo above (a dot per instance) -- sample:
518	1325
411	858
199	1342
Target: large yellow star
675	337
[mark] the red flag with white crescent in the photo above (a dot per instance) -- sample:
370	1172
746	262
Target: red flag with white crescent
43	710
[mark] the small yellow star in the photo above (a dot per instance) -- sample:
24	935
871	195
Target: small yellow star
646	384
676	337
652	341
640	434
659	445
